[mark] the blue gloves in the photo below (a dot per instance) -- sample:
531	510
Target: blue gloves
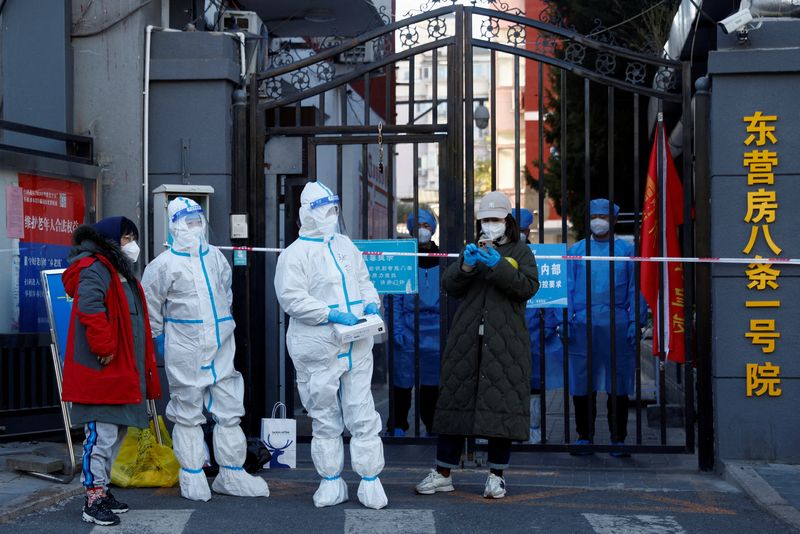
371	309
399	339
158	343
632	333
471	254
489	256
345	318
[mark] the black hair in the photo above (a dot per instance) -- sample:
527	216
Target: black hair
128	227
512	229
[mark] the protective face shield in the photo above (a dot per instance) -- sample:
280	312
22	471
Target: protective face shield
320	215
599	226
327	218
131	251
194	223
424	236
494	230
187	224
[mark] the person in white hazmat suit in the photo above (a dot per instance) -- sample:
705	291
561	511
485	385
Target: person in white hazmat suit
188	291
322	279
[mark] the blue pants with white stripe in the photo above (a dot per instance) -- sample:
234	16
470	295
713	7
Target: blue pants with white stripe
100	449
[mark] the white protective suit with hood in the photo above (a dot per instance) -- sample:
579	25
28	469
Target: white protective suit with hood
320	272
188	290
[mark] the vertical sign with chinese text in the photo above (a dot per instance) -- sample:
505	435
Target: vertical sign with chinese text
763	375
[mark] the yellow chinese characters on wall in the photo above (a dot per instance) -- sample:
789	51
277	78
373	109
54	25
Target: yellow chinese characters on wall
762	377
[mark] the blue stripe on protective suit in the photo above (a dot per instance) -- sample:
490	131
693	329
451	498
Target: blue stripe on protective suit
326	188
182	321
349	353
429	317
211	367
211	296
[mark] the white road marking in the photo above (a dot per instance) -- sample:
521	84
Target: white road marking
633	524
149	522
389	522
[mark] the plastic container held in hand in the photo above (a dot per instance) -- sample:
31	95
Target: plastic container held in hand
367	326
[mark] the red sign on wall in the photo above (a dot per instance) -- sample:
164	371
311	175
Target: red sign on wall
52	209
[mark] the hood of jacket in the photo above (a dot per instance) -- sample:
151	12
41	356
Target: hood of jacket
87	242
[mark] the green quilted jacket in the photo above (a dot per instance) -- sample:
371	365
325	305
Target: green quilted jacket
485	387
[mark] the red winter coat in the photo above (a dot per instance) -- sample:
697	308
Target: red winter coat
106	333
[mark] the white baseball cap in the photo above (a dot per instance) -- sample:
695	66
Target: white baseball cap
493	205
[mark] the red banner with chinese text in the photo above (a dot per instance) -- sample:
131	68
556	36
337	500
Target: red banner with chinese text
52	209
663	241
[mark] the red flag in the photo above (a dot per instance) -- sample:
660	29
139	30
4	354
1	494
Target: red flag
658	240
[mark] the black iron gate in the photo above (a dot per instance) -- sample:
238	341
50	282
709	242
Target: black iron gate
335	116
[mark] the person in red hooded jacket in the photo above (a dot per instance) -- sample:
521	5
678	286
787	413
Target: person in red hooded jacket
109	366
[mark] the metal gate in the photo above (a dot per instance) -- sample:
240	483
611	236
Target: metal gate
319	121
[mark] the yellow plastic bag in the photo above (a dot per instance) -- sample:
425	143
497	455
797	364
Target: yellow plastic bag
143	463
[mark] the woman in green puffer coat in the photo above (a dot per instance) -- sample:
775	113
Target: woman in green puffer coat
486	366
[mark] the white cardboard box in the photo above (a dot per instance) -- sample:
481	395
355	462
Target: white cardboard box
367	326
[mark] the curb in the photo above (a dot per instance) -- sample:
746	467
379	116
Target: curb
39	500
762	493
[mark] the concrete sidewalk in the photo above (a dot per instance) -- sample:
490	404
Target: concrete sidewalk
773	487
21	493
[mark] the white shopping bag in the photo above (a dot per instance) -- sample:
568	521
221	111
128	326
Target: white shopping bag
280	437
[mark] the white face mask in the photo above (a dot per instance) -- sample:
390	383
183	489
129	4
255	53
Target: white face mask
599	226
131	251
329	225
424	236
493	230
195	230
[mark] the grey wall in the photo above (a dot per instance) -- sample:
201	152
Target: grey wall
37	69
108	75
761	76
193	75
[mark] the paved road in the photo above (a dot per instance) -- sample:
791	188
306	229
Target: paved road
629	499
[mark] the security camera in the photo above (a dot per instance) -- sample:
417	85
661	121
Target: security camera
736	21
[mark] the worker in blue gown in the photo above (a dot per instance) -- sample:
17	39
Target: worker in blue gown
429	284
583	387
554	367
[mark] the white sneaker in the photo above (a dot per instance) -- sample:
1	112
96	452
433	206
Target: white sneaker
435	482
495	487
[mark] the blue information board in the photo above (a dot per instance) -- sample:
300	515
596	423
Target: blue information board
552	277
59	308
391	274
33	259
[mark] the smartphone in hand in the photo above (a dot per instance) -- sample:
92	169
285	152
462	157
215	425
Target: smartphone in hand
485	242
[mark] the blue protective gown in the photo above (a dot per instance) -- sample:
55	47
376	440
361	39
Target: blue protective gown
553	348
602	329
429	353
